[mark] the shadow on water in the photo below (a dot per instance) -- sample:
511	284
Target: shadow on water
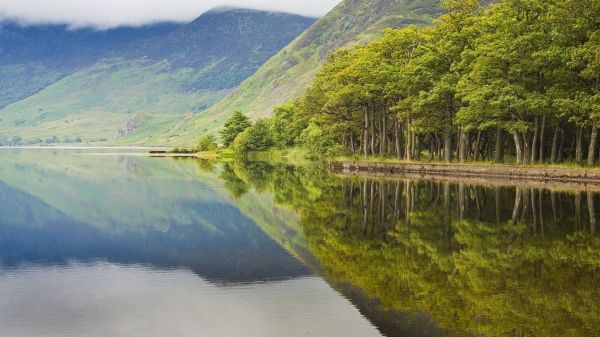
434	258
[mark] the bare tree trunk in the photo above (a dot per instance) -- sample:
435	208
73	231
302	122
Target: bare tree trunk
526	147
477	146
397	136
534	149
383	133
462	146
561	146
593	144
431	147
518	151
447	144
499	155
366	133
542	140
579	145
554	154
372	125
409	140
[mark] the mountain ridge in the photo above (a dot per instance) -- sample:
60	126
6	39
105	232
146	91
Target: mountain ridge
151	79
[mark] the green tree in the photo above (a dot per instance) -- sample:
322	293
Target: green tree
235	125
255	138
287	125
206	143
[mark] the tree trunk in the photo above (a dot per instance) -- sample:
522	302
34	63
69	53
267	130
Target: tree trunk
579	145
398	136
383	133
593	143
534	143
526	147
561	145
409	140
554	154
542	140
477	146
462	146
447	144
372	126
366	132
499	155
518	151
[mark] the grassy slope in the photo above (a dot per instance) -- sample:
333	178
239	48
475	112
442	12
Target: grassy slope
95	102
104	83
290	72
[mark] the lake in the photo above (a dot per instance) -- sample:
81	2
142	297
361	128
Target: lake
97	243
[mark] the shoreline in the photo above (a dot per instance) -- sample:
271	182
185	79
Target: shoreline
500	175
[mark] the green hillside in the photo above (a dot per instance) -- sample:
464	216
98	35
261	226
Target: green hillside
140	86
107	101
289	73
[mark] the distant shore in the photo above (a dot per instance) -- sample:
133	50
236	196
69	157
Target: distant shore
62	147
510	175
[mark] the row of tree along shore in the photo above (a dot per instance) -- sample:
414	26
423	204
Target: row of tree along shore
518	81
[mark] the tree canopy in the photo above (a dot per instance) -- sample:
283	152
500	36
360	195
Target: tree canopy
519	78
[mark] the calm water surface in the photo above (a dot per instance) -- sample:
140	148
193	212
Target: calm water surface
102	244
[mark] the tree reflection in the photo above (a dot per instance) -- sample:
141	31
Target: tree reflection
490	261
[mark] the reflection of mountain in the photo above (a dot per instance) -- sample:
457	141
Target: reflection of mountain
61	221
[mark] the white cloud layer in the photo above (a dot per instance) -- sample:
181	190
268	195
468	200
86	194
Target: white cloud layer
111	13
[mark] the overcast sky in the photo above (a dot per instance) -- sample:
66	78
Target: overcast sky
111	13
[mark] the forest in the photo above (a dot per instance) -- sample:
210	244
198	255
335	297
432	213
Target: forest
516	81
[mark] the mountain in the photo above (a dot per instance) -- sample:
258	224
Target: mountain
289	72
32	57
125	85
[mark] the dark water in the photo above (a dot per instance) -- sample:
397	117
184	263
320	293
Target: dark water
124	245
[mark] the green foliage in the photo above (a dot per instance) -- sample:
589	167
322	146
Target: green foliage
526	68
287	125
234	126
207	143
255	138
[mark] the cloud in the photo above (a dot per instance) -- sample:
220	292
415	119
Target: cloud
111	13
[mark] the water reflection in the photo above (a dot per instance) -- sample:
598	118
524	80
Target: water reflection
475	260
60	207
121	240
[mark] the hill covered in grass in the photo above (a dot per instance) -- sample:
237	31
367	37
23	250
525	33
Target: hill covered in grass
125	84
